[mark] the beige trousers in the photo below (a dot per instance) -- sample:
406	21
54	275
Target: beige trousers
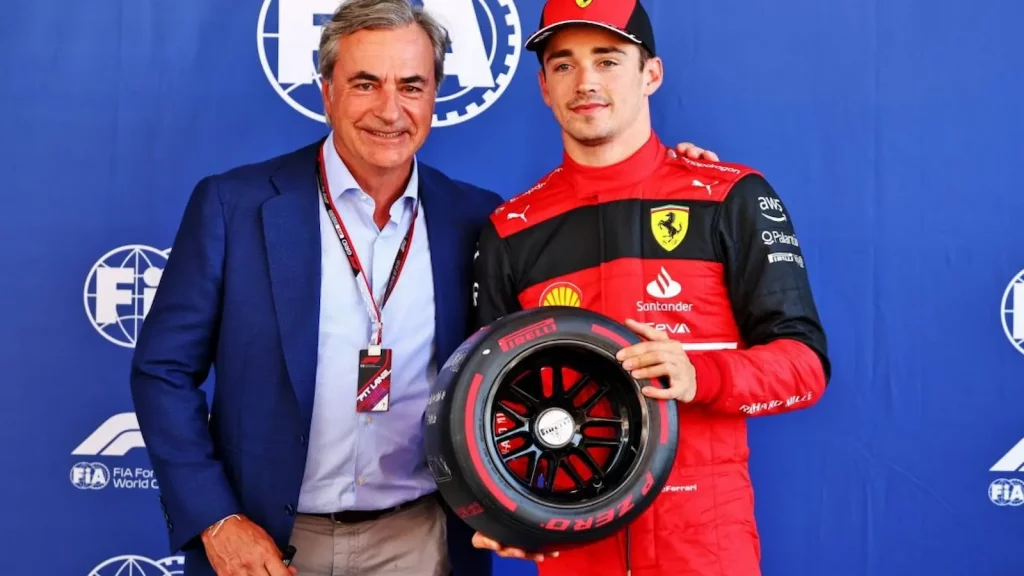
411	542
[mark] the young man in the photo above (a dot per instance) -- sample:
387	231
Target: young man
699	258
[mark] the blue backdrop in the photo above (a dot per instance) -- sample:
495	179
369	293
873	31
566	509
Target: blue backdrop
891	129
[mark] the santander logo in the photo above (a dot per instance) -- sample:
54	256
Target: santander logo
664	286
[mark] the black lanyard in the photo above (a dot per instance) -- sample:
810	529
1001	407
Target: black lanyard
372	308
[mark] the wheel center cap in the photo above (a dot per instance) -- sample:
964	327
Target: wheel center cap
555	427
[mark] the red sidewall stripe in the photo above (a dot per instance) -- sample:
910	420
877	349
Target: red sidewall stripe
601	330
475	447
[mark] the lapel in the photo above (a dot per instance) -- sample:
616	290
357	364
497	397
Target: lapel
291	228
447	251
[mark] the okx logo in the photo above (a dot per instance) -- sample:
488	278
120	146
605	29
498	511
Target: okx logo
120	289
485	36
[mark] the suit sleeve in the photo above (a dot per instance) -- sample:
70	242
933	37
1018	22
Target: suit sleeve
172	359
494	285
785	365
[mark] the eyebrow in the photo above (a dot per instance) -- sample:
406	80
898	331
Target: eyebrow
363	75
598	50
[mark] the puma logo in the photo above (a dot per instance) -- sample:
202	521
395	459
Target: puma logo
699	184
520	215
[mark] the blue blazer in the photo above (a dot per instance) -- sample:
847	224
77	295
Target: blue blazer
241	294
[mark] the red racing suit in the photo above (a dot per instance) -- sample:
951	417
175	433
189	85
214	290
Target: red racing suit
706	252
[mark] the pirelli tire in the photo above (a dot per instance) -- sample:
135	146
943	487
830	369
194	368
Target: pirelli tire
538	438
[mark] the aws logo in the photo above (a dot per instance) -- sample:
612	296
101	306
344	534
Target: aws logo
562	294
669	224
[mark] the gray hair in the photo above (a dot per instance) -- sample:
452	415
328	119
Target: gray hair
354	15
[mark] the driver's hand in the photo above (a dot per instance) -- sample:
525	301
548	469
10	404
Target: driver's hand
485	543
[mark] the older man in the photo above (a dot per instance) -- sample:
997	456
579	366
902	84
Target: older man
325	286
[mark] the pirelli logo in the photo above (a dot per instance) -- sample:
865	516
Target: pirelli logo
524	335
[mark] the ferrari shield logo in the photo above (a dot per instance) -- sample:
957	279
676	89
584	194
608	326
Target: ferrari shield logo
669	224
583	3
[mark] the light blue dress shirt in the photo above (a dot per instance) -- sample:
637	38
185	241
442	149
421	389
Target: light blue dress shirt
370	461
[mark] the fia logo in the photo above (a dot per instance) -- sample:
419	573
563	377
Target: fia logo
486	40
1013	311
1008	491
90	476
140	565
119	291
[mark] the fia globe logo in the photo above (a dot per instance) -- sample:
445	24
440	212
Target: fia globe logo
119	291
1013	311
134	565
486	39
90	475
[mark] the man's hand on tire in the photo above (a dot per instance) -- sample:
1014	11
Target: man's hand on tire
481	541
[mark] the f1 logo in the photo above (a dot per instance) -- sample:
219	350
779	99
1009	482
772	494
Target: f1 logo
1012	461
115	437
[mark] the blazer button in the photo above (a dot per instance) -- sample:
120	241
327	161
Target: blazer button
289	509
302	439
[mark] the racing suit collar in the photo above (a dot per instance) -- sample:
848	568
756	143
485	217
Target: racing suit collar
634	169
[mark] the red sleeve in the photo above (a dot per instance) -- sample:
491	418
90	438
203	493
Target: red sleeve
785	365
776	377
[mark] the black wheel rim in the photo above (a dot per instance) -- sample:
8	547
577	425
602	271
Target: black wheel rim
565	424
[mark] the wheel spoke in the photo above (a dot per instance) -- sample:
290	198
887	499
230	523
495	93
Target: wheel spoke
601	442
530	401
589	462
571	471
514	433
602	389
531	471
575	389
557	382
600	422
556	463
511	414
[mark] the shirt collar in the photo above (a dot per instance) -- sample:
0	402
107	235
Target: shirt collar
636	168
340	180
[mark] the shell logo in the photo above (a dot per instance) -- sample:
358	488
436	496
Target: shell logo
562	294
